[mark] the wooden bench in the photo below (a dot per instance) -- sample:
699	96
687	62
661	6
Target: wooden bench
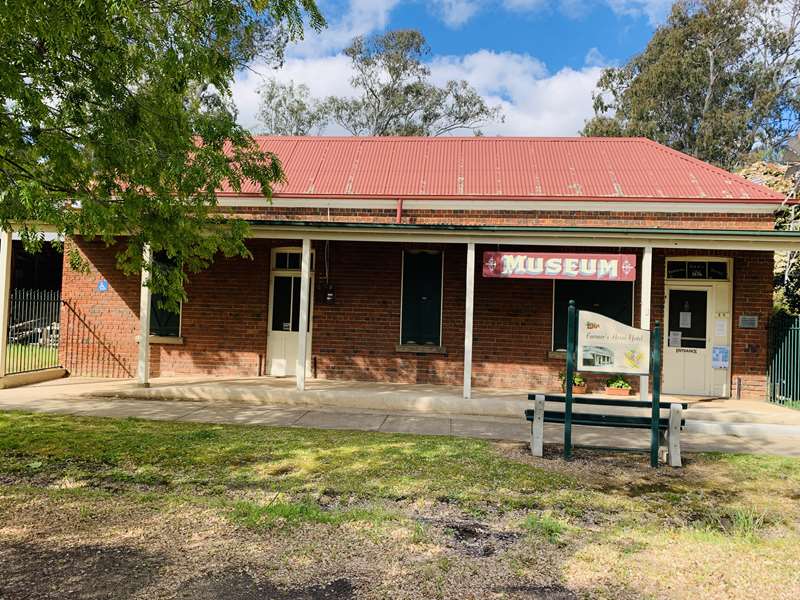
669	428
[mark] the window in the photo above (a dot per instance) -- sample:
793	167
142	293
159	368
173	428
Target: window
613	299
421	298
697	269
286	265
163	322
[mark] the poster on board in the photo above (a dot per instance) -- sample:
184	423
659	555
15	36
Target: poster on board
608	346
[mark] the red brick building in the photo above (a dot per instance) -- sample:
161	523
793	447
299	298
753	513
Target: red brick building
395	232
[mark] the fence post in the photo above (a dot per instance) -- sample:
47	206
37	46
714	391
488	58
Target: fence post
655	362
6	243
571	325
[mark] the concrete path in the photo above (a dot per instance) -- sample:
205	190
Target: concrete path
69	397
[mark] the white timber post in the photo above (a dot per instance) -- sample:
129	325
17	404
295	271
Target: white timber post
302	334
644	312
6	245
537	426
143	369
674	435
470	297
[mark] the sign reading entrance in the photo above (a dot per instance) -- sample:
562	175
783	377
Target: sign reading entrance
608	346
549	265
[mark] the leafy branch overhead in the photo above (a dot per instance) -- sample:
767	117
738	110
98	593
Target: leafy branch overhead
394	95
720	80
116	119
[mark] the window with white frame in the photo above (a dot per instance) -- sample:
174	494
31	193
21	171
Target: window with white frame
421	310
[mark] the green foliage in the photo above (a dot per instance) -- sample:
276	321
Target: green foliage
289	109
577	379
394	95
718	80
546	526
618	382
116	121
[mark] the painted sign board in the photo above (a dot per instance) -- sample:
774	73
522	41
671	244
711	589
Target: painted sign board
608	346
551	265
102	285
720	357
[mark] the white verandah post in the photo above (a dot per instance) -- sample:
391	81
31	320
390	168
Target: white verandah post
469	303
143	368
6	245
644	312
302	334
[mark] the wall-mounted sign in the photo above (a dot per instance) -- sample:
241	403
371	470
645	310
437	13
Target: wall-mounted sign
608	346
102	285
748	321
548	265
720	357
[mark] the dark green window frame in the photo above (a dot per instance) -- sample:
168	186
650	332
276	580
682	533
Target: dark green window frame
614	299
163	322
421	298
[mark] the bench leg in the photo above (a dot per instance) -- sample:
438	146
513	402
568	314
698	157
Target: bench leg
662	445
537	426
674	437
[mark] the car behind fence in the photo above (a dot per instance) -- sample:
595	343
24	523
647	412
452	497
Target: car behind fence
33	330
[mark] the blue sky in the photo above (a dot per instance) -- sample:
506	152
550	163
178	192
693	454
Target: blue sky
538	60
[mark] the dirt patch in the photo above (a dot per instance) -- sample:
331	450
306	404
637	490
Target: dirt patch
540	592
473	538
87	572
240	585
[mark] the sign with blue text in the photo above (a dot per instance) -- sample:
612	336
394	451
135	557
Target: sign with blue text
102	285
608	346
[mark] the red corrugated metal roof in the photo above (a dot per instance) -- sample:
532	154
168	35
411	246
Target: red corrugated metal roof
591	169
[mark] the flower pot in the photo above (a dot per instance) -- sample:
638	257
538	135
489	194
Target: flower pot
579	389
618	391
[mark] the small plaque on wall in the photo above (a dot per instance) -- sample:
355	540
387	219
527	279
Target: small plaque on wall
748	321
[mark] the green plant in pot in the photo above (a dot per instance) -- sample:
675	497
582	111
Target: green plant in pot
578	383
618	386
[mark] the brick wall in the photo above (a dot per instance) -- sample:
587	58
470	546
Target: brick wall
224	323
515	217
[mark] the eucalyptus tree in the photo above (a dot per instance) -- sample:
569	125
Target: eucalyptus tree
720	80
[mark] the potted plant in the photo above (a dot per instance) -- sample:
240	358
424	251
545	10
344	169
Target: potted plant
578	383
618	386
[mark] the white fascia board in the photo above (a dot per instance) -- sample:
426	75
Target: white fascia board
698	241
655	206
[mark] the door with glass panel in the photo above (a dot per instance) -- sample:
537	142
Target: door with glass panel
284	312
687	351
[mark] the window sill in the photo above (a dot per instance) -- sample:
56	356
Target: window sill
420	349
557	355
167	340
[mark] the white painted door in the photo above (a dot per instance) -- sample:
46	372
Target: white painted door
687	348
284	314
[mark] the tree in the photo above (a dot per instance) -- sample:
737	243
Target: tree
719	80
289	109
395	95
115	122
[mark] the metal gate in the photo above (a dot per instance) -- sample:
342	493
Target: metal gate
33	330
784	361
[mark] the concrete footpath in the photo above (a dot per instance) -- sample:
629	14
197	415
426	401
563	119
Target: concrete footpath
730	426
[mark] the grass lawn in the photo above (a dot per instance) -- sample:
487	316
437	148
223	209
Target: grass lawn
22	357
99	508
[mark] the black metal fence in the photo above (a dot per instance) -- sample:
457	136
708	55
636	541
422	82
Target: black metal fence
784	362
33	330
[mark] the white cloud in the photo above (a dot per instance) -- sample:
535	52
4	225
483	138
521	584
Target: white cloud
534	101
455	13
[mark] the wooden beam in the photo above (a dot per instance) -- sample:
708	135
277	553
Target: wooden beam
469	304
6	250
302	334
143	367
644	308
